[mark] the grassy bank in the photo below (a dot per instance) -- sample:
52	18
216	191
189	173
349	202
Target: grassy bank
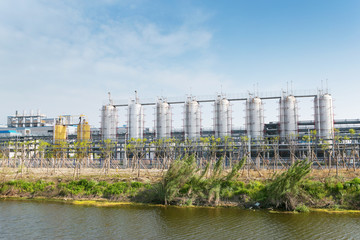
186	185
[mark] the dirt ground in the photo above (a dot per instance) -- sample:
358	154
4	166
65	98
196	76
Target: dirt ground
58	174
148	175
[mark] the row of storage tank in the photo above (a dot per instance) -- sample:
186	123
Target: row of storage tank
60	130
324	119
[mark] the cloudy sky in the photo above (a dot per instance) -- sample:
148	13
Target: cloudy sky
63	57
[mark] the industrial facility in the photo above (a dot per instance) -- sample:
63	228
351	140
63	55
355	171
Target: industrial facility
289	137
288	126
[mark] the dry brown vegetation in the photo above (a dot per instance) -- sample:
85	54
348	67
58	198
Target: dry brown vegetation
150	175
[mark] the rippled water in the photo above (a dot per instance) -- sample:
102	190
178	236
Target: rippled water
44	220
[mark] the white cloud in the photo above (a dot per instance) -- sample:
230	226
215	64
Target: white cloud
54	57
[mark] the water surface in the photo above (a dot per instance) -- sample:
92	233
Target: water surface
48	220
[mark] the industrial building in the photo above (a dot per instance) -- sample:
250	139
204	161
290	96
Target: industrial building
288	126
38	126
315	135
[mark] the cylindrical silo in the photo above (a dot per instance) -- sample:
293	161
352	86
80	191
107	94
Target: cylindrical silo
108	122
135	120
192	121
254	118
60	133
83	130
163	119
324	116
222	117
288	117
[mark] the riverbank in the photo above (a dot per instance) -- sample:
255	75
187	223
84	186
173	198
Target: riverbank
331	195
183	184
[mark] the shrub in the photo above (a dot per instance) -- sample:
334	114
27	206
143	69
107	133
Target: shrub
302	208
41	185
152	194
3	188
179	173
284	189
115	189
103	183
256	191
137	184
227	192
315	189
353	185
184	179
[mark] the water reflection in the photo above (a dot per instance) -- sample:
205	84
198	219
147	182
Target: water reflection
44	220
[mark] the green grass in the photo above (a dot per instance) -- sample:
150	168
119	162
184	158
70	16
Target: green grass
26	187
82	187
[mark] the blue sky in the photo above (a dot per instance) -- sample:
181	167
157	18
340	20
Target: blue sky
62	57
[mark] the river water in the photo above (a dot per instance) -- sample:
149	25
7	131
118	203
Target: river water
48	220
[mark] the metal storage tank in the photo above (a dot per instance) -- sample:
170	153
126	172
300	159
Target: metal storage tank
108	122
83	130
192	121
135	120
288	117
60	130
254	118
163	119
222	117
324	116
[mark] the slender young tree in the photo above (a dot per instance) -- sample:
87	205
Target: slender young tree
107	150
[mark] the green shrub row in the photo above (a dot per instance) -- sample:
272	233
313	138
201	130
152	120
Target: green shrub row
27	187
341	192
81	187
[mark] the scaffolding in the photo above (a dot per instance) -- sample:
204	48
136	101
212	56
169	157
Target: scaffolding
26	120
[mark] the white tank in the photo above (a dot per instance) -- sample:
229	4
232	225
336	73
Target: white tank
108	122
254	118
163	119
192	120
222	117
135	120
324	116
288	117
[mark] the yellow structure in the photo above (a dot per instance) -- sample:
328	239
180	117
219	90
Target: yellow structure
60	130
83	131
